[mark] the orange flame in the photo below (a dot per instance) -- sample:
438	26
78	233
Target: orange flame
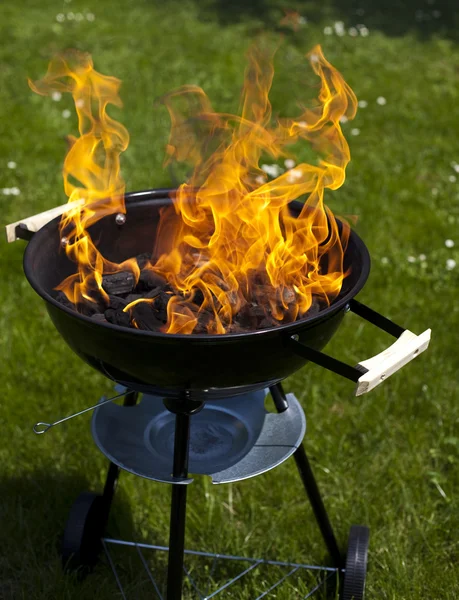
229	242
91	169
235	241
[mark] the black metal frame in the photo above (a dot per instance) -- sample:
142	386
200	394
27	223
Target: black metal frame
184	409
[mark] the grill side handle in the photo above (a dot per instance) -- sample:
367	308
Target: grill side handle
371	372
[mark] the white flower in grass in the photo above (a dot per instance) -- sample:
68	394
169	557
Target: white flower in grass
355	131
294	175
11	164
272	170
450	264
6	191
260	179
422	257
302	20
60	18
56	96
452	178
90	16
456	168
66	113
70	16
14	191
339	28
381	100
343	119
353	32
328	30
434	191
289	163
364	31
411	259
384	260
363	103
449	243
79	17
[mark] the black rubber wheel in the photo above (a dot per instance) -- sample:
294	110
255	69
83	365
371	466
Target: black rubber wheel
356	563
81	542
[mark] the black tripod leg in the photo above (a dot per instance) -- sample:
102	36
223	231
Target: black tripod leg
310	485
178	508
113	470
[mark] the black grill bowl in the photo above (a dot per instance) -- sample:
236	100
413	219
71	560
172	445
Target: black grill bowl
206	366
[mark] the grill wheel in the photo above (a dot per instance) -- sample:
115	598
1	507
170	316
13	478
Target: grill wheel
81	542
356	563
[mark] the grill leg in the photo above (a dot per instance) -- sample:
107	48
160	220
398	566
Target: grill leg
178	507
310	485
111	482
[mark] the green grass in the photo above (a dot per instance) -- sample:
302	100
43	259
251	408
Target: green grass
389	459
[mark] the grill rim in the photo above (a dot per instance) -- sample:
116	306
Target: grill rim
131	198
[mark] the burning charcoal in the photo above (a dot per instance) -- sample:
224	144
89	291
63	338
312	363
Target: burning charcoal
267	323
132	297
143	259
62	299
99	317
257	311
198	297
118	284
161	302
145	316
88	308
149	279
288	295
117	302
153	293
118	317
234	328
314	308
204	317
245	318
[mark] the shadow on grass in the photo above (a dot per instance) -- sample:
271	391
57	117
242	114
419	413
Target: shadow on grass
34	508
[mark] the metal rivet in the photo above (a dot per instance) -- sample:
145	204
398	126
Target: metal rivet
64	241
347	308
295	337
120	219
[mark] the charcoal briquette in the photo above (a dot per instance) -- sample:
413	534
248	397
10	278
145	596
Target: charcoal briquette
143	259
62	299
148	280
118	317
118	302
118	284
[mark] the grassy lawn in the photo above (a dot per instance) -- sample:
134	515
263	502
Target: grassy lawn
388	459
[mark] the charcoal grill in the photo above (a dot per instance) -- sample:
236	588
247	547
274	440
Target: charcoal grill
202	409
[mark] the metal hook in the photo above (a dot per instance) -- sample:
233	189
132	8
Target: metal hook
40	427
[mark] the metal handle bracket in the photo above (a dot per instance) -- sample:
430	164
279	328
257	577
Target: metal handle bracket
370	372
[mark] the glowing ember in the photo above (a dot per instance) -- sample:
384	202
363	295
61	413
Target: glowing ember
228	244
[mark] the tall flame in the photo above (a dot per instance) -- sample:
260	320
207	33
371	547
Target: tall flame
235	241
229	241
91	168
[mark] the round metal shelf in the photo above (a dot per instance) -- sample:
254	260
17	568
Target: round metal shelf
230	440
